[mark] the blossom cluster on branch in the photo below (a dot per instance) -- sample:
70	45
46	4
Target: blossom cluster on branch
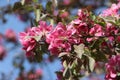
80	44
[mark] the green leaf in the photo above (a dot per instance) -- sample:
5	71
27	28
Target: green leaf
110	19
63	54
17	6
22	2
52	22
74	64
28	8
38	56
66	73
96	43
93	17
65	64
118	74
37	38
101	55
79	49
55	3
37	14
43	16
35	0
49	7
91	63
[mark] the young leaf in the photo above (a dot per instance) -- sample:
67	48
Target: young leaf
63	54
49	7
37	13
79	49
55	3
22	2
37	38
66	73
65	64
38	56
17	6
91	63
35	0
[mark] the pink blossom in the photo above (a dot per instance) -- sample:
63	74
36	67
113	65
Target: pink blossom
96	31
1	38
74	33
30	55
44	28
118	0
80	27
10	35
111	38
111	30
91	39
28	42
31	76
82	14
64	14
113	67
33	36
118	39
34	75
62	37
55	13
29	45
113	11
2	52
27	29
58	40
66	2
59	31
23	17
59	74
39	72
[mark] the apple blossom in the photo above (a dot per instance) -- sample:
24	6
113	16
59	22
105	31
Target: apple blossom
10	35
34	36
113	68
2	52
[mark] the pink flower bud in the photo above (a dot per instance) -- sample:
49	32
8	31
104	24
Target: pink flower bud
10	35
2	52
64	14
39	72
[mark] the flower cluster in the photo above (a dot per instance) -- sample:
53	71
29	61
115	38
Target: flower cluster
31	75
59	39
33	36
63	37
112	11
113	68
93	35
81	30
